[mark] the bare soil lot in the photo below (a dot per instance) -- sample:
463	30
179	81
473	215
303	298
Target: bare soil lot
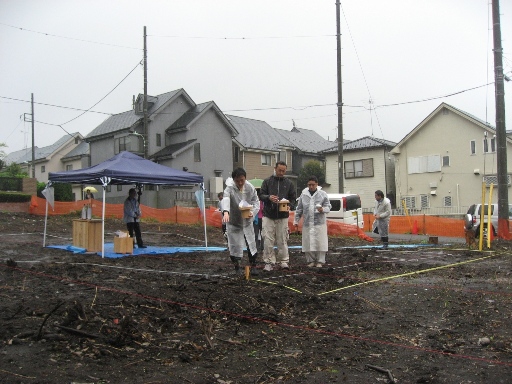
406	315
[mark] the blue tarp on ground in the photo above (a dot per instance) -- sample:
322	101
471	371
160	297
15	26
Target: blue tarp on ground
150	250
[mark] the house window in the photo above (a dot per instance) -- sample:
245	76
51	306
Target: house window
69	167
236	154
77	140
358	168
197	152
109	188
425	201
493	179
447	201
472	146
424	164
486	146
43	169
266	159
410	202
491	147
121	144
446	161
282	156
119	187
158	139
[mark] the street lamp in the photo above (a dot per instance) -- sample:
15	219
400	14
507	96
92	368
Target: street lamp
143	140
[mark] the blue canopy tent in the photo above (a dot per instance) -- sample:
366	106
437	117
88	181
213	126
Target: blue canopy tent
125	168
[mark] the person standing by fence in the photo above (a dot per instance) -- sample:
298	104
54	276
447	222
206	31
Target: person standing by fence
382	213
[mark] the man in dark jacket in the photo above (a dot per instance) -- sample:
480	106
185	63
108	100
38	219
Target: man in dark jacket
275	222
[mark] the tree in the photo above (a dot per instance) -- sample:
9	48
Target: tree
2	155
311	168
13	170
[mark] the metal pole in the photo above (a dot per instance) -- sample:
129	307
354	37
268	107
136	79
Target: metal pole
33	138
501	132
340	102
145	106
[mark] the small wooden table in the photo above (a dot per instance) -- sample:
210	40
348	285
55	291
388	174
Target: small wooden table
87	234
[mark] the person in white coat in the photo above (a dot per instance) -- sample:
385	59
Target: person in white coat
240	230
313	206
382	213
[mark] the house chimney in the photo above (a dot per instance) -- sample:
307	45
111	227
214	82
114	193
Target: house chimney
133	102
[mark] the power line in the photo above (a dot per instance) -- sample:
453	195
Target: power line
68	38
55	106
433	98
103	96
242	37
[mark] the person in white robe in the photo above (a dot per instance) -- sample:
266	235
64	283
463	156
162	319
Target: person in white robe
313	207
240	230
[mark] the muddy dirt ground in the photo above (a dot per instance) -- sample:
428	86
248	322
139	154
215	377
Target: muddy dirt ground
438	314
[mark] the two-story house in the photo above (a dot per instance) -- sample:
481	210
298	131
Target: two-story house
181	134
441	164
258	147
367	167
51	158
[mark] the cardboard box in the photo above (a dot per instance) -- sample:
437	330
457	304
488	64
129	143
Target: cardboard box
123	244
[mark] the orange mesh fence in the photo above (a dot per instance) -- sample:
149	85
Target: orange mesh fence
421	224
334	228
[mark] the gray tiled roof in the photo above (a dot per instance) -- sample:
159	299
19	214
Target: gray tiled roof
173	150
80	150
471	116
257	134
189	116
307	140
126	119
14	157
40	153
366	142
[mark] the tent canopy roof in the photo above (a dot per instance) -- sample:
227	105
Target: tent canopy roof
127	168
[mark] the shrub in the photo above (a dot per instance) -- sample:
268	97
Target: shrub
14	197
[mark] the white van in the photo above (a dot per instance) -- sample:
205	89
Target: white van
346	208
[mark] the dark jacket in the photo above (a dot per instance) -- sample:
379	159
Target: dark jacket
281	187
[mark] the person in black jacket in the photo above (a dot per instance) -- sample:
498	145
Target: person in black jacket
275	222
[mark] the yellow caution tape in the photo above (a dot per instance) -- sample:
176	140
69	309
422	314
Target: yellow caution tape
406	274
270	282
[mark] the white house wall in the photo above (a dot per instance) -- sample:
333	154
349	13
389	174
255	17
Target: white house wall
447	134
365	187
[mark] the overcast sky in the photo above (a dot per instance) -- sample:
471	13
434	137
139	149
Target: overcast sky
272	60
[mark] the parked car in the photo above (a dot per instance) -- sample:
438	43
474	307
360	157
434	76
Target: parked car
346	208
472	218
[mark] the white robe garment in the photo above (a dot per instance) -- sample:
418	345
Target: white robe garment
314	227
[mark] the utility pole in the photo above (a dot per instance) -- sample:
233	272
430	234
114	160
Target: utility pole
145	106
33	138
501	132
340	102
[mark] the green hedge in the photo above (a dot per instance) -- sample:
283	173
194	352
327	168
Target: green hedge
14	197
11	184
